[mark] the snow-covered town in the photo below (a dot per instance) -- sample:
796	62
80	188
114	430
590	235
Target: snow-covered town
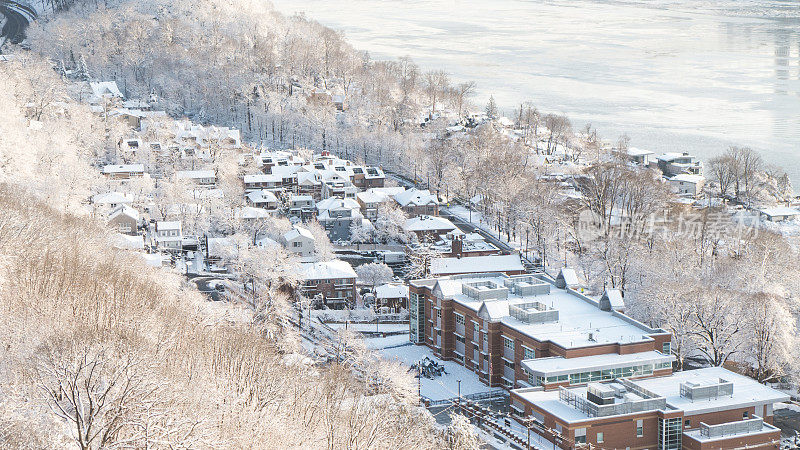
284	243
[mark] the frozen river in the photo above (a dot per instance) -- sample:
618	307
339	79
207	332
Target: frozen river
691	75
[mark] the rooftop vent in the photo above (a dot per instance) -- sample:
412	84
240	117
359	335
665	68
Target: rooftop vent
698	391
484	290
527	285
533	312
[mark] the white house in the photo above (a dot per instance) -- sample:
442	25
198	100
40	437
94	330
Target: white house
204	178
112	199
779	213
263	199
429	226
168	235
250	214
299	240
687	184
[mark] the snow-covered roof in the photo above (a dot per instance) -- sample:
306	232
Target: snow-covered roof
633	151
297	232
154	259
337	203
249	213
673	156
779	211
105	89
391	290
124	209
557	365
746	391
612	300
428	223
416	197
568	277
476	264
327	270
262	178
195	174
164	225
388	191
688	178
300	198
112	198
123	168
372	197
262	196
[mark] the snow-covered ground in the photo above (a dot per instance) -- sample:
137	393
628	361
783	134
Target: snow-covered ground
445	386
387	342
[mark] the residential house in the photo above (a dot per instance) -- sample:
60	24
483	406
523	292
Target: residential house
263	199
123	171
333	282
300	241
168	235
507	264
125	220
672	164
202	178
391	297
779	213
366	177
687	184
251	214
262	181
112	200
417	202
337	216
301	206
429	227
638	156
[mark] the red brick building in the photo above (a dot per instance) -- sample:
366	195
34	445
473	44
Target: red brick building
710	408
521	331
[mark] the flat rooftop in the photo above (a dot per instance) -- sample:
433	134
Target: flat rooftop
580	322
746	391
564	366
661	393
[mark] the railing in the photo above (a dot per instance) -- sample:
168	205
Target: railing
740	427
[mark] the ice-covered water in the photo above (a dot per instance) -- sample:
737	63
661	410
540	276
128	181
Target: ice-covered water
693	75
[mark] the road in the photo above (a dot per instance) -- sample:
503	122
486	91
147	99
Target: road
18	16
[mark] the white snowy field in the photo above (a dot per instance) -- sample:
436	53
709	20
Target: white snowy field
445	386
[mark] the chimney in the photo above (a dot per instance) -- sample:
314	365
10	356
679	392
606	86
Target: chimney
457	246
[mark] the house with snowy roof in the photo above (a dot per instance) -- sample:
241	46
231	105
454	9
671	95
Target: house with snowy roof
429	227
687	184
337	216
123	171
392	297
202	178
333	282
168	235
299	240
104	91
262	198
416	202
779	213
124	220
112	199
507	264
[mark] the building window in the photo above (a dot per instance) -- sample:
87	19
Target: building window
580	435
508	343
639	428
666	348
460	339
600	438
688	423
459	319
528	353
508	364
438	313
746	415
